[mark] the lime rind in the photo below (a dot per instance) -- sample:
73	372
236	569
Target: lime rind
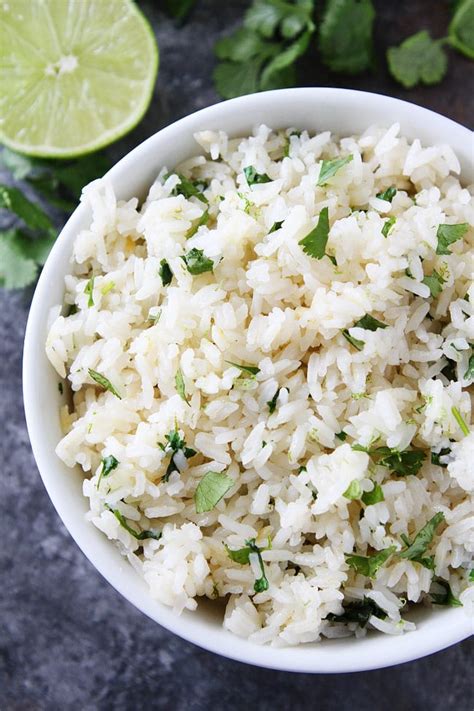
31	80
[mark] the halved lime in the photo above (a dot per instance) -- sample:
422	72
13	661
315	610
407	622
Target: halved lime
75	74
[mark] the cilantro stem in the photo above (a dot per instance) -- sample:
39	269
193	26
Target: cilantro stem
460	420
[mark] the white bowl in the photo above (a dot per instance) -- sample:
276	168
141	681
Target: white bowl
344	112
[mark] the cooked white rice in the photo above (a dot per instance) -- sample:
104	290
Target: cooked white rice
270	305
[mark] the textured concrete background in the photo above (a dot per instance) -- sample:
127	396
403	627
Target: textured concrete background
67	639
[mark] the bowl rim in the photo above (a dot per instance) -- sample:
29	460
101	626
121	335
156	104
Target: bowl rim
319	658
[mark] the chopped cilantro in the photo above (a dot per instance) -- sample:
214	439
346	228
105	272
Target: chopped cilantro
353	341
139	535
203	220
469	374
435	457
89	290
446	597
60	388
388	194
369	323
419	59
197	262
359	611
471	576
314	244
435	283
109	463
103	382
460	420
341	435
276	226
448	234
387	226
273	402
254	178
210	490
373	497
252	369
409	461
353	491
242	556
180	386
154	317
346	35
190	188
165	273
175	443
107	287
369	565
416	549
329	168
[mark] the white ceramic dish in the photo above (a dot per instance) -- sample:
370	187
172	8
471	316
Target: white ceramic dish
344	112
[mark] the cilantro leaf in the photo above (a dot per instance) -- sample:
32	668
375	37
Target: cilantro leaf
242	556
447	234
353	341
469	374
369	565
108	465
12	199
190	188
373	497
279	72
253	177
353	491
252	369
233	79
210	490
461	28
388	194
345	35
314	244
387	226
273	402
369	323
203	220
197	262
446	597
435	283
139	535
276	226
435	457
329	168
341	435
359	611
180	386
403	463
419	59
471	576
165	273
423	538
17	270
175	443
104	383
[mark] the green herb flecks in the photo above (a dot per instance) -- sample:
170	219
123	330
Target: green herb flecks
314	244
387	226
417	548
190	188
242	556
359	611
203	220
245	367
89	291
329	168
276	226
341	435
388	194
469	374
369	323
353	491
434	282
109	463
254	178
107	288
175	443
210	490
369	565
353	341
460	420
446	596
165	273
197	262
370	498
273	402
407	462
448	234
435	457
103	382
180	386
139	535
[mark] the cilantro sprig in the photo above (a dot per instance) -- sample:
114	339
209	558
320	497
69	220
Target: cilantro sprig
139	535
370	564
242	556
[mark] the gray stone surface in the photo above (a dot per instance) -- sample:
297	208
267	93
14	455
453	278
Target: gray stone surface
67	639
